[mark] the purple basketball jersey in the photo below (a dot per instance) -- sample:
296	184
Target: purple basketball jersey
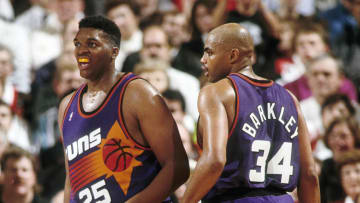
105	163
262	149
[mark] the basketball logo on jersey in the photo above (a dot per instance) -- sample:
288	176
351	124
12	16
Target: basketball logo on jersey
116	158
116	155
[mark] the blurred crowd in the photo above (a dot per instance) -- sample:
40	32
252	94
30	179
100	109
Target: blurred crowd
311	47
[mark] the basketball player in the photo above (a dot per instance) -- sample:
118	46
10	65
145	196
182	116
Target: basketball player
121	142
254	138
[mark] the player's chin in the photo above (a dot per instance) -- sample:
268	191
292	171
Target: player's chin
84	74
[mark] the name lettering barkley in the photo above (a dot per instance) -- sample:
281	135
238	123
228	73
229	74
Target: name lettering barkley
261	116
83	144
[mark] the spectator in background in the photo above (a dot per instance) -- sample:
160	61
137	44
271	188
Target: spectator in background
67	77
201	22
284	50
58	198
341	136
286	36
46	135
17	39
8	93
324	77
44	75
176	103
14	127
45	20
154	71
125	14
4	144
288	9
264	28
37	16
149	13
347	46
310	41
348	167
19	171
46	44
336	106
95	7
156	46
339	19
176	27
292	8
6	10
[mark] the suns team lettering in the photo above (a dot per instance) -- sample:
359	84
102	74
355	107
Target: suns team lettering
259	116
83	144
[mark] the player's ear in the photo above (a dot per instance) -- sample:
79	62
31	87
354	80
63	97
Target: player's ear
234	55
115	52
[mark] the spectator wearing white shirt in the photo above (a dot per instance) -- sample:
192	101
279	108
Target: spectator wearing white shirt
16	38
156	46
125	14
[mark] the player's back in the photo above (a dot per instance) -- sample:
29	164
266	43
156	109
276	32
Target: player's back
262	149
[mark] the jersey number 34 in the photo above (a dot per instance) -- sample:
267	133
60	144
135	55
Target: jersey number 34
279	164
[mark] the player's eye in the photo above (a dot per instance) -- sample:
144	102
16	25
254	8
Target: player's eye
92	44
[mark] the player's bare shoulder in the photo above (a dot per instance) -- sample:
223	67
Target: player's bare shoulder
139	88
222	90
139	96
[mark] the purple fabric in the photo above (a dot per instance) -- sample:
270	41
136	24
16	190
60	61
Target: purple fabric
94	133
301	89
272	107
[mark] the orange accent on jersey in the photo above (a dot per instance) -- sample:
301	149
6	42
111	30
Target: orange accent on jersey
92	166
103	104
68	106
121	119
237	108
253	82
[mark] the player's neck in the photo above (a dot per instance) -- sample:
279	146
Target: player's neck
248	71
104	83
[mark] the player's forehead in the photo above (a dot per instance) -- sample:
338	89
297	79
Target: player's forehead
211	42
89	33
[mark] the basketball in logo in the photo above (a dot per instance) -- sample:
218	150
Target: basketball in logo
115	156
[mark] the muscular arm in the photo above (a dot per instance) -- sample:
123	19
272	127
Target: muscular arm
62	108
214	126
308	187
161	134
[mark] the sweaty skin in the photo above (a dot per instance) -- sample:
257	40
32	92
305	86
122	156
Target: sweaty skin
229	49
140	102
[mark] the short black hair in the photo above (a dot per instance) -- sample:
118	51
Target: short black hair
106	25
176	95
338	97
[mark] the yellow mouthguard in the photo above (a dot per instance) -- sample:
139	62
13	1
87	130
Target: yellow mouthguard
83	60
